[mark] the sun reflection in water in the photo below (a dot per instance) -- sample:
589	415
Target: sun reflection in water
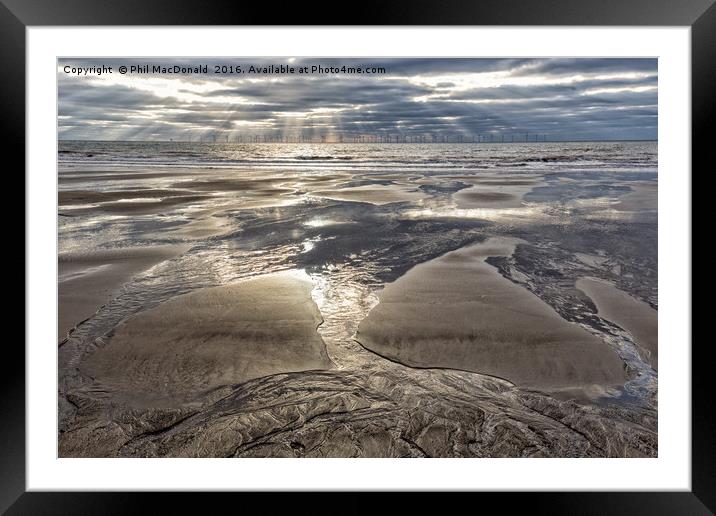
528	213
343	303
323	222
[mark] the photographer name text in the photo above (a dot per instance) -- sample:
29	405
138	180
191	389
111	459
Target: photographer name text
150	69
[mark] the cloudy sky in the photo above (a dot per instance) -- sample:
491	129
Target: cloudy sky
560	99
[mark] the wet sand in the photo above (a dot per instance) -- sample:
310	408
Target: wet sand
458	312
91	277
643	197
121	195
485	197
499	179
373	194
180	350
70	197
503	193
202	358
627	312
88	280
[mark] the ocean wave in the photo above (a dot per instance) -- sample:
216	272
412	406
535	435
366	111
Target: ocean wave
541	157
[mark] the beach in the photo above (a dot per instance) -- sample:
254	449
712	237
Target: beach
458	312
193	344
87	281
357	300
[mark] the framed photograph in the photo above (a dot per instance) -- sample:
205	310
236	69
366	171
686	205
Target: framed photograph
439	249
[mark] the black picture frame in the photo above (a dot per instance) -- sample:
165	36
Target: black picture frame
700	15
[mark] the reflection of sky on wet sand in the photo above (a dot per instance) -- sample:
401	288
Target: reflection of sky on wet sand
526	213
241	223
322	222
311	214
324	207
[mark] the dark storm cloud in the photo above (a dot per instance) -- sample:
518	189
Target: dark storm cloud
122	97
560	98
342	90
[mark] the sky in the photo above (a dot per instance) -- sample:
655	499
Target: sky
423	99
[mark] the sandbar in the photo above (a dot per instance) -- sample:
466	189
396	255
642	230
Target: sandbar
373	194
88	280
627	312
183	348
458	312
491	196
